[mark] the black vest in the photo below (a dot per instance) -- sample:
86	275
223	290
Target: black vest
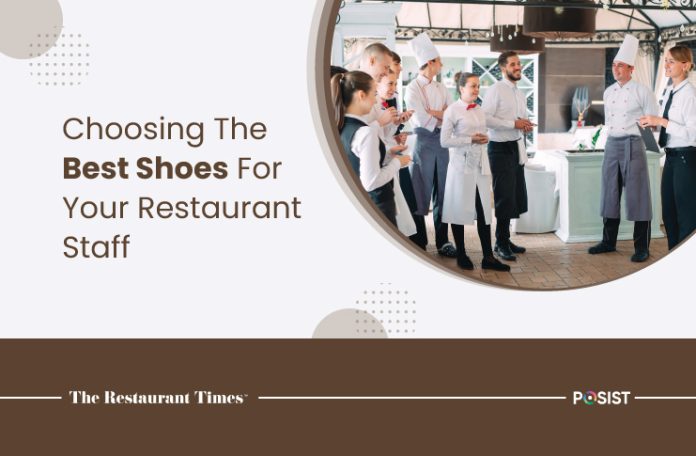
350	126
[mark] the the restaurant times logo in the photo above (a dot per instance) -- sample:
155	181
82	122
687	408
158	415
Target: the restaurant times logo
601	397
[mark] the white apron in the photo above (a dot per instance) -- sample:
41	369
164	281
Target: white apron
468	167
404	219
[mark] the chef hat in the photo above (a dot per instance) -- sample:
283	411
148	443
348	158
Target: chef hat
424	49
628	50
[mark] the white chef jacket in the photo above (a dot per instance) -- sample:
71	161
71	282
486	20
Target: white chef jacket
624	105
504	103
365	146
422	95
681	129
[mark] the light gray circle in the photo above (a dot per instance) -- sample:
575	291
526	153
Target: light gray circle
29	27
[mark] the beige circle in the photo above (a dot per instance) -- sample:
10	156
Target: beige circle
29	27
350	324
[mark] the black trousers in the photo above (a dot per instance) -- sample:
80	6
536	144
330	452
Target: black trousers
641	233
421	236
679	194
441	237
388	208
641	229
509	186
484	232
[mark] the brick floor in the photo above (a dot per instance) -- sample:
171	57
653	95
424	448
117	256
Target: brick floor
549	263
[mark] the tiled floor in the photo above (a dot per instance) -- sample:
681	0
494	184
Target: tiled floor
550	263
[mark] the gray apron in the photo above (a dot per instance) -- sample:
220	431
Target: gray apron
626	166
428	157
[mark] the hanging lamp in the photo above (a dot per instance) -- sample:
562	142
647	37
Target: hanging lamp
511	37
576	20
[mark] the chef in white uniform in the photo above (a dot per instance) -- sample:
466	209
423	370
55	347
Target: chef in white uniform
468	186
428	99
625	164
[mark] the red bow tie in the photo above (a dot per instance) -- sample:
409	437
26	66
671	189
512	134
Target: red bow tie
471	106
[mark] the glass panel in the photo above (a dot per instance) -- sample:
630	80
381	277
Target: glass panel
495	71
487	62
410	71
529	72
530	139
476	68
487	80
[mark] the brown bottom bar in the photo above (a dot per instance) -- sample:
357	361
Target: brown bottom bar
388	397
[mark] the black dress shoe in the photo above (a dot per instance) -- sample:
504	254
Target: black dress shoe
602	247
640	256
464	262
448	250
494	264
517	248
505	253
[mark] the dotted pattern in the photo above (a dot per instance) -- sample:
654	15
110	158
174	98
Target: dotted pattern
387	306
65	64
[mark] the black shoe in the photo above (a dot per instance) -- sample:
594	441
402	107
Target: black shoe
448	250
464	262
505	252
640	256
494	264
517	248
602	247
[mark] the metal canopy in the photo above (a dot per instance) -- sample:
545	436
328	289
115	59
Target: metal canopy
472	20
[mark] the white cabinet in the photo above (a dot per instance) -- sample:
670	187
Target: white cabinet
578	177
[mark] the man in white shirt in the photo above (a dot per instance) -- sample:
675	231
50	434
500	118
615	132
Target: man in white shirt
625	164
376	60
428	99
506	118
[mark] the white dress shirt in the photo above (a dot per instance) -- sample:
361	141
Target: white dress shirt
458	126
423	95
365	146
373	115
624	105
503	104
681	129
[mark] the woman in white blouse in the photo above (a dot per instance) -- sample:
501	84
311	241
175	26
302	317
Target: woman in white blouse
353	95
678	137
468	185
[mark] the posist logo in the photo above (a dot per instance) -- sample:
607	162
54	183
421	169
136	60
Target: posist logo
601	397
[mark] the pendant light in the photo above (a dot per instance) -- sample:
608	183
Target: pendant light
511	37
576	20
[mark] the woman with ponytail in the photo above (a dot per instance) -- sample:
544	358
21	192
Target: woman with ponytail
353	95
468	185
678	137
